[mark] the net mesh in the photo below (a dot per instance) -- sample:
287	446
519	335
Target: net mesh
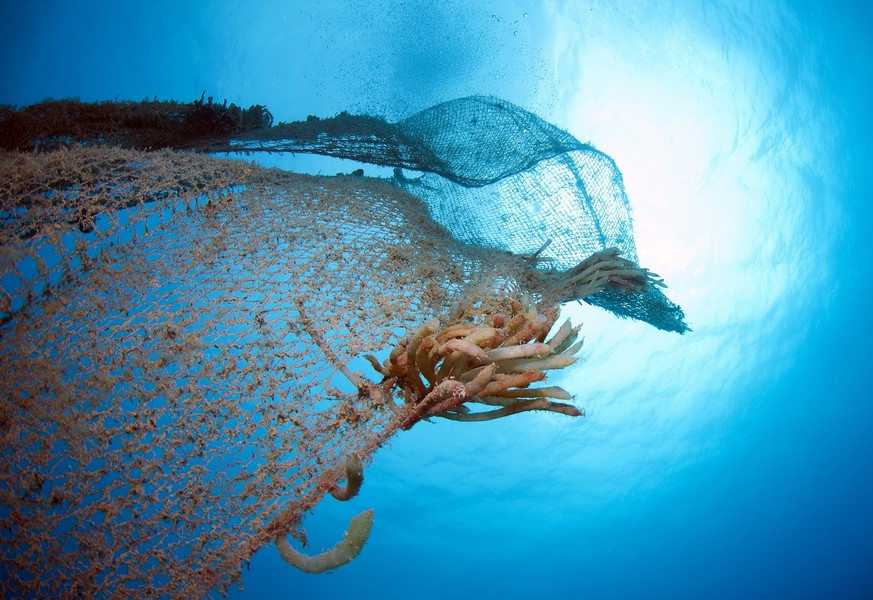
184	346
497	176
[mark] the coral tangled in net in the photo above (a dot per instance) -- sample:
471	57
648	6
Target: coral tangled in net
439	371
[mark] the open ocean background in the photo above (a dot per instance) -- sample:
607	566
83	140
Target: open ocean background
735	461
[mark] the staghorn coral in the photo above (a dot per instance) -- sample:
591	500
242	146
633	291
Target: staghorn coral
439	370
344	552
607	270
354	479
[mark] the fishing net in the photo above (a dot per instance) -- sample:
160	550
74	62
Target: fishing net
495	175
195	350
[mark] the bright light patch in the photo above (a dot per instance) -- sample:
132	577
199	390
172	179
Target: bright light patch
712	136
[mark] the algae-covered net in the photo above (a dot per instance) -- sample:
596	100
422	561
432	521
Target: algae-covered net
195	350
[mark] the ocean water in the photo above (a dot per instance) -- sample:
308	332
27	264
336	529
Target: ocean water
732	462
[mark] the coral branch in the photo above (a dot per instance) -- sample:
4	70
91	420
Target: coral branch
344	552
464	362
551	391
607	270
354	479
490	415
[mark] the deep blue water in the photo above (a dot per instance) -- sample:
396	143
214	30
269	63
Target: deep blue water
732	462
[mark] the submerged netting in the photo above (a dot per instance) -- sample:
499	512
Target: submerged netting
496	176
195	350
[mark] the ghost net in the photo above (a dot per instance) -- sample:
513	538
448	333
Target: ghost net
195	350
